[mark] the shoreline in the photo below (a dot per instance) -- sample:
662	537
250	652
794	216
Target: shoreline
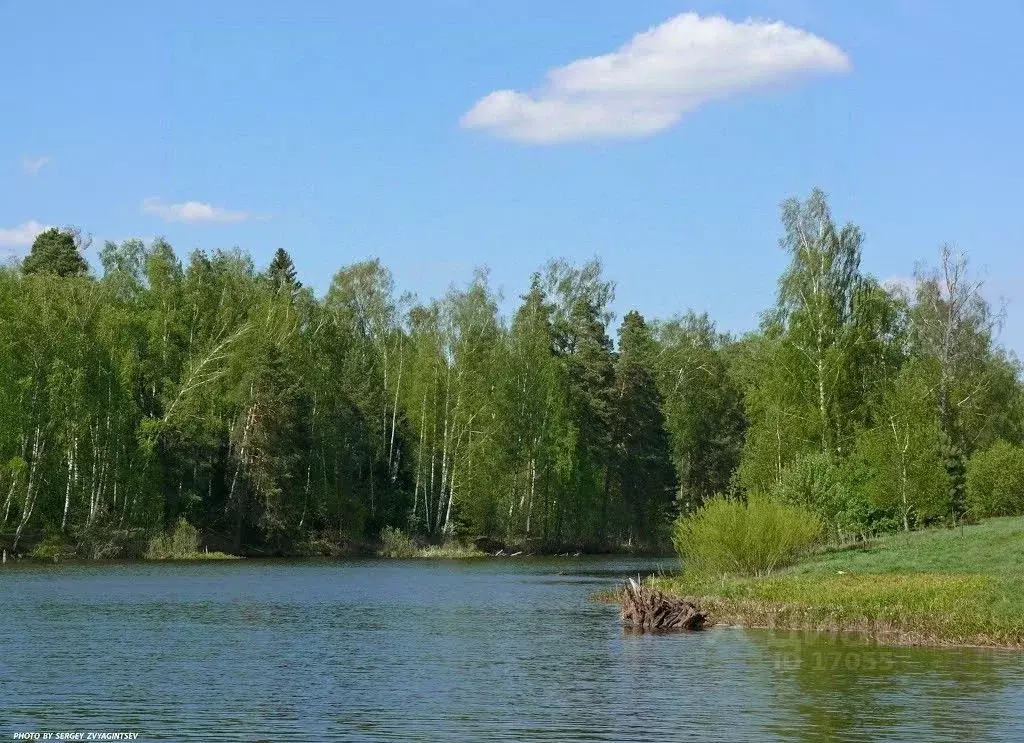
798	618
425	555
724	613
941	587
186	543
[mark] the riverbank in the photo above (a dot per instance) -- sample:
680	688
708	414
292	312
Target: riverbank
313	550
945	587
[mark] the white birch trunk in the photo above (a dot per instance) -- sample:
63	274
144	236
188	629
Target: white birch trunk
392	468
38	449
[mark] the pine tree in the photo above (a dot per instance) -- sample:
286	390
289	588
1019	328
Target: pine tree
281	271
703	404
641	449
591	377
55	252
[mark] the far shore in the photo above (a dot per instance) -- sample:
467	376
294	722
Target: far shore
369	552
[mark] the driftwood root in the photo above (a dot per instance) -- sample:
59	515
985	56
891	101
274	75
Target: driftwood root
646	610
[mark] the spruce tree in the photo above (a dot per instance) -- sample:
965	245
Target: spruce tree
281	271
642	457
55	252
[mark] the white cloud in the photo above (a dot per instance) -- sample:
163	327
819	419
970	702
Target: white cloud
32	165
648	84
191	211
22	235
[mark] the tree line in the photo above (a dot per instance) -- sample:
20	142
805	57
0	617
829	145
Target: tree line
280	422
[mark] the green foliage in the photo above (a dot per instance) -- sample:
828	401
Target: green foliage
838	491
816	311
904	451
751	537
702	405
396	543
944	586
282	273
54	547
828	346
995	481
55	252
202	388
812	481
182	543
641	460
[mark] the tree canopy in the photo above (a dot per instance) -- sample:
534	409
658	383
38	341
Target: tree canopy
56	251
276	421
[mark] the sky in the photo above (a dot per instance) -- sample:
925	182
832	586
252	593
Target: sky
441	136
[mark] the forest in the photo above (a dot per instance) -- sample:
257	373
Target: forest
155	388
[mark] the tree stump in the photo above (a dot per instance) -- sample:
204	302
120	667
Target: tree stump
646	610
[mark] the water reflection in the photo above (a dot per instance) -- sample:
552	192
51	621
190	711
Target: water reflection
834	687
490	650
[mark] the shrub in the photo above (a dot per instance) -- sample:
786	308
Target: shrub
396	543
812	481
96	542
995	481
451	550
747	538
180	544
838	491
54	546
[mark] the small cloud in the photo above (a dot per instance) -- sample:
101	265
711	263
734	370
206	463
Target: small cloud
22	235
32	165
648	84
191	212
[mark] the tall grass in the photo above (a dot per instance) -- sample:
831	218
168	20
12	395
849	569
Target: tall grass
180	544
752	537
396	543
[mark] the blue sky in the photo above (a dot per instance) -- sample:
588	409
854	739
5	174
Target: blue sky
346	130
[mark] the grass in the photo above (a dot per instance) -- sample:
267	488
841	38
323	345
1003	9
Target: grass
197	556
937	587
182	543
449	551
395	543
446	551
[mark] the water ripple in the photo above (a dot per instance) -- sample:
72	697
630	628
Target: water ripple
490	651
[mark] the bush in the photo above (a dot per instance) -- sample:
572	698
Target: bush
745	538
396	543
838	492
995	481
96	542
54	546
812	481
181	544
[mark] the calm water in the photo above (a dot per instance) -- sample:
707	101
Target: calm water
440	651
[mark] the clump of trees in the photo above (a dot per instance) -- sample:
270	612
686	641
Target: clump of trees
277	421
866	402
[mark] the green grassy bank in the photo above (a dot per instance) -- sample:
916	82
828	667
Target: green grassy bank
961	586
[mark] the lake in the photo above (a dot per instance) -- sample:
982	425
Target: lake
489	650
